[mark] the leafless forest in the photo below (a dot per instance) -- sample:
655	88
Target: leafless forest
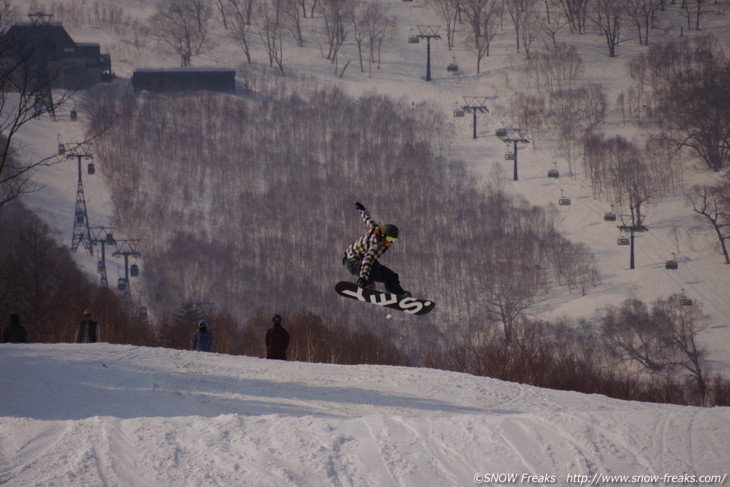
247	201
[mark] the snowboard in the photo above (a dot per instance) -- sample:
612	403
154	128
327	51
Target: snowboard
408	305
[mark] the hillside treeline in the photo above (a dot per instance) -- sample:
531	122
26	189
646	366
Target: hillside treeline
632	351
247	201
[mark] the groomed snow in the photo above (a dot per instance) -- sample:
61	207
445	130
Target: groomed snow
118	415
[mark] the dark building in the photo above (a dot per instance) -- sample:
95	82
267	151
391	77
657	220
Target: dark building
185	79
50	57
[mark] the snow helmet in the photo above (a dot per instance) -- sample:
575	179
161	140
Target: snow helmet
202	324
276	319
389	230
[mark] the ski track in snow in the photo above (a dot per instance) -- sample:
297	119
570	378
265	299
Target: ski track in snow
116	415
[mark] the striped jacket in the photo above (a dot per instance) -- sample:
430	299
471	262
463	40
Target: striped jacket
367	248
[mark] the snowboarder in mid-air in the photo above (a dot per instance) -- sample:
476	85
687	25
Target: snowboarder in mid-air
361	258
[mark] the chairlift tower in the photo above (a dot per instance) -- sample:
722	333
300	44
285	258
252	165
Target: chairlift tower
632	231
474	105
515	136
126	248
102	236
81	230
428	32
201	306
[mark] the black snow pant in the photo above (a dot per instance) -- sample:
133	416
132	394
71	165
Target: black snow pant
379	273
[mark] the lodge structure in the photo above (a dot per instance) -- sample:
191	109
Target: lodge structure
222	80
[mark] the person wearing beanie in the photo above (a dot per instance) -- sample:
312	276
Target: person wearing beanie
88	331
203	339
15	332
277	340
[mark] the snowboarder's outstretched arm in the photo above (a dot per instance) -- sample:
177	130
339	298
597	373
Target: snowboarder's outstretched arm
369	222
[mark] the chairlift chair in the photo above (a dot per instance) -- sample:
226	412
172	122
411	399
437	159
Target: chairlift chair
110	239
509	156
671	264
501	133
685	301
458	113
563	200
609	216
623	241
553	173
413	40
452	68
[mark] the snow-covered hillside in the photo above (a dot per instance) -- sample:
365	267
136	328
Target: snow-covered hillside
113	415
673	229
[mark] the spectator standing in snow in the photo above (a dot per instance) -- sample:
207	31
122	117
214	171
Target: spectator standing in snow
88	331
277	340
203	339
15	332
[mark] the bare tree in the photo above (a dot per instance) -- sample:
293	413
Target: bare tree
576	13
242	21
271	28
525	19
641	13
448	11
608	17
685	323
483	17
696	108
181	26
713	203
335	14
632	335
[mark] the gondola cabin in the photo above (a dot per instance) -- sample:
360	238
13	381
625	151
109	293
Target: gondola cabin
101	267
553	173
74	116
122	284
672	264
91	169
134	270
452	68
61	148
158	299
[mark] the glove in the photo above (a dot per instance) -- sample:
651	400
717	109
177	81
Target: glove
361	283
359	206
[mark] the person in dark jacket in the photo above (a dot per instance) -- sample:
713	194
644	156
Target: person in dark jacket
277	340
88	331
15	332
203	339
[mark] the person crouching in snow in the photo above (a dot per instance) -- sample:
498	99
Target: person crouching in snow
361	258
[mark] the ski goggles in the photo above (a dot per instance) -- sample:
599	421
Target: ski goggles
391	239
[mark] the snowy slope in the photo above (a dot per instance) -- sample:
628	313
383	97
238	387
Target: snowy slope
673	229
114	415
